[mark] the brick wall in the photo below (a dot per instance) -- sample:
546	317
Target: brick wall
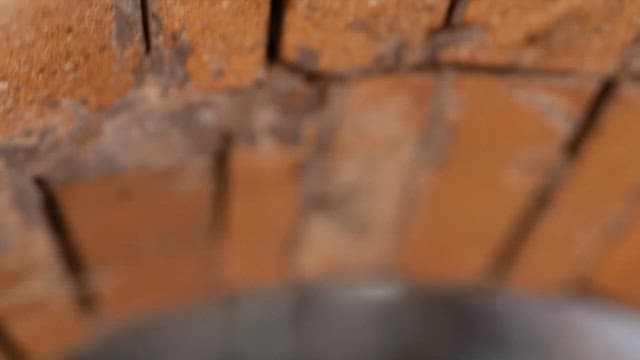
158	153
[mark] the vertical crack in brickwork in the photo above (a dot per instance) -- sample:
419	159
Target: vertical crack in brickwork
72	260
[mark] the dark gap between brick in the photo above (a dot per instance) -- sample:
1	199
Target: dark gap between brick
517	238
276	24
65	244
146	28
598	104
455	9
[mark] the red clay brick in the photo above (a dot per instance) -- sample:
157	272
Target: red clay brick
125	217
358	186
60	52
148	233
273	142
355	35
618	269
616	273
220	43
499	137
37	302
134	187
139	289
26	245
591	204
48	325
558	35
263	204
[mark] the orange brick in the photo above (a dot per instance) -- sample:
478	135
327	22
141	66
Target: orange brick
27	249
136	190
61	52
26	244
617	273
499	137
124	217
48	325
145	236
127	291
217	43
264	201
357	188
265	181
356	35
37	303
558	35
585	214
136	187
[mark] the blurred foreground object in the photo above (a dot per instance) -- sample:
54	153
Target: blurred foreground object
381	320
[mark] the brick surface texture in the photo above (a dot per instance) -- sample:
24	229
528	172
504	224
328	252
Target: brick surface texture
569	35
356	35
360	178
216	43
59	53
155	154
37	304
265	174
590	209
515	128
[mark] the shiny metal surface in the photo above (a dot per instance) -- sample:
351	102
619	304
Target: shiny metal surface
382	320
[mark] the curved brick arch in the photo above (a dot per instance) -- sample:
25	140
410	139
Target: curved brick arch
158	152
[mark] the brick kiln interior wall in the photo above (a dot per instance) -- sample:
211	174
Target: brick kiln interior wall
159	152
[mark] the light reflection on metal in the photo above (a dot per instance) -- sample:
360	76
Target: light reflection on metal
382	320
